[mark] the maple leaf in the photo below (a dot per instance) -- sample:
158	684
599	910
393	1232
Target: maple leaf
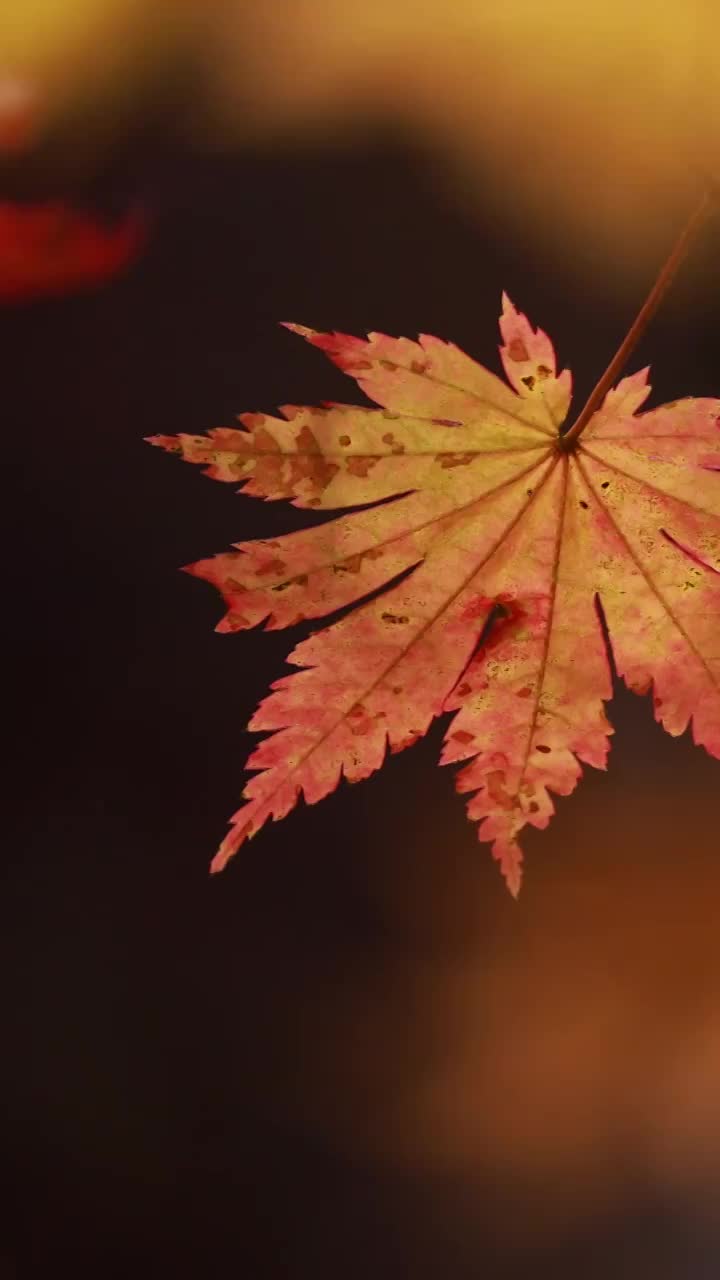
51	248
508	540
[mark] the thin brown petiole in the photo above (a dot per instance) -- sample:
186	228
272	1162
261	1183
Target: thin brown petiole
708	205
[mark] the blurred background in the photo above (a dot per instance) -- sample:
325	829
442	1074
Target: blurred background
587	121
352	1054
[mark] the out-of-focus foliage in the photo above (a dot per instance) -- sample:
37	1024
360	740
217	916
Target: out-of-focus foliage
52	248
593	117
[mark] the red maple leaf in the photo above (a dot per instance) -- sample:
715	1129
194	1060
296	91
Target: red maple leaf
53	248
509	534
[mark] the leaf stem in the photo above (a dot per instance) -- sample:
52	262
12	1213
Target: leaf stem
707	205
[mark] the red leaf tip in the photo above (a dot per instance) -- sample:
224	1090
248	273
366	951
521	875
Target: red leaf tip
301	329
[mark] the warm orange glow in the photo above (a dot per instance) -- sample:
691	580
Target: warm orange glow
591	120
565	1051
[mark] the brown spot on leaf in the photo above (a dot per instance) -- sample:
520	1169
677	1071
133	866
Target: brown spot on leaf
235	622
344	440
357	710
389	365
420	366
540	746
529	381
446	422
268	461
395	619
495	783
264	441
543	371
499	760
463	689
462	736
306	440
309	463
271	566
517	350
360	467
448	460
395	445
397	688
533	806
524	693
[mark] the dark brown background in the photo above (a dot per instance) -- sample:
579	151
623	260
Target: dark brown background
351	1055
